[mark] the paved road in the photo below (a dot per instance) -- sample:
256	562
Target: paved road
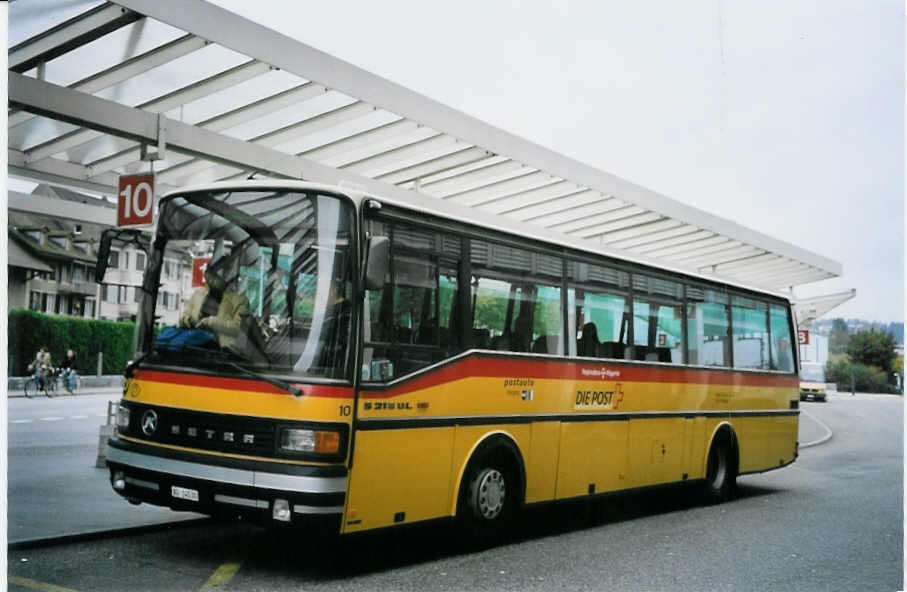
832	521
53	485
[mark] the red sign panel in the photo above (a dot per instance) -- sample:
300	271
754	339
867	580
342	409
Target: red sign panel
198	271
803	336
136	205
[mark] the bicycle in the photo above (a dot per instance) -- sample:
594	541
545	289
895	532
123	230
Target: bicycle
64	382
46	383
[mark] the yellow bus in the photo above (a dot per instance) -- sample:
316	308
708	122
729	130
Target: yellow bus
359	362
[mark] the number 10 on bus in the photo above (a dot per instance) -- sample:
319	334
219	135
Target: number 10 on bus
136	202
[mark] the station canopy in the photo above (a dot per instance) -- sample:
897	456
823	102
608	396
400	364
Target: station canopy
98	90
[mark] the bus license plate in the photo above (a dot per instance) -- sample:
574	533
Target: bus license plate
184	493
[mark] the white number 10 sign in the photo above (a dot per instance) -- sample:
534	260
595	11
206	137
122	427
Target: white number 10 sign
136	203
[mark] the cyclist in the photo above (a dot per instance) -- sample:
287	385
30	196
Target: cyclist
42	365
70	370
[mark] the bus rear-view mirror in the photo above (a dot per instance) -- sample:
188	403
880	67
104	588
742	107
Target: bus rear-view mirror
376	263
103	256
121	236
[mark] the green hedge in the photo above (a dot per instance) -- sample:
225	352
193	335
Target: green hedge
29	330
868	379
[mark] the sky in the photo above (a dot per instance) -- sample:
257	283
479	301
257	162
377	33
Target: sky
785	117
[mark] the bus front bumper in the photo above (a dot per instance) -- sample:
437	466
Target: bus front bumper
266	492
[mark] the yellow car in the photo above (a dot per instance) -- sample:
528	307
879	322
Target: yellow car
812	381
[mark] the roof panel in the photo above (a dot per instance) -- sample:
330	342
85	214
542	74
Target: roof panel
248	98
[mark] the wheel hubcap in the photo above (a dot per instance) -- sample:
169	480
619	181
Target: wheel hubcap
490	494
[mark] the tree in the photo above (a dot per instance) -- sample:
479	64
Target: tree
873	348
839	337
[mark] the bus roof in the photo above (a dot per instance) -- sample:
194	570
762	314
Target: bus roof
458	213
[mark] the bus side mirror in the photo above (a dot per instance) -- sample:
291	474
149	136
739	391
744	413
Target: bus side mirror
121	235
103	256
376	262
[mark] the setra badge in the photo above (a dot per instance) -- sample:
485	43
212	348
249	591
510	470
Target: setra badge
133	390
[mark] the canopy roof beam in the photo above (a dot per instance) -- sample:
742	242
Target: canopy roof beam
189	93
466	155
221	122
69	35
126	70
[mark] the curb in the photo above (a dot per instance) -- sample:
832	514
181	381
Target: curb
828	433
79	537
107	390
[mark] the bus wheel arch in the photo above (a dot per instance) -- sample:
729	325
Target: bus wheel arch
722	464
495	464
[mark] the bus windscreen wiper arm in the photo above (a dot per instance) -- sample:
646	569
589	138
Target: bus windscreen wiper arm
296	392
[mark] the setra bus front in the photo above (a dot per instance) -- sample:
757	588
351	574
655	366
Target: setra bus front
243	405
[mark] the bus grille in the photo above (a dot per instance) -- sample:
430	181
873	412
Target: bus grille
205	431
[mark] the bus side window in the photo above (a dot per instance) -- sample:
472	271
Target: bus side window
751	344
782	351
708	324
600	308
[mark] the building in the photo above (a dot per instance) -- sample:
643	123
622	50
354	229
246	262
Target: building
51	265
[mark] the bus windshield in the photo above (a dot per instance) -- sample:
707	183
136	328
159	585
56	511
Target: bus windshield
270	277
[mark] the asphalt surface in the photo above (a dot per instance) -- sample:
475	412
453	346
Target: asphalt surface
54	487
832	521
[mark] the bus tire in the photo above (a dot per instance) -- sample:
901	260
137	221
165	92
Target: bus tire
721	472
489	497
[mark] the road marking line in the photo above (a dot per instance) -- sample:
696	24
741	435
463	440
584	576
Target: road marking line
51	418
22	421
36	585
828	433
221	577
77	416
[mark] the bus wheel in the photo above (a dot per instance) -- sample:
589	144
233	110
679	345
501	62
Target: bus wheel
720	476
488	499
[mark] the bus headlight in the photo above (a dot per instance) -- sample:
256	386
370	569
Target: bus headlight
317	441
122	417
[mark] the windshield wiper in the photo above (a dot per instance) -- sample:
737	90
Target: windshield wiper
133	365
296	392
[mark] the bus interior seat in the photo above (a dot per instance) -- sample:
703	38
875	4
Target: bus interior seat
501	343
480	338
540	345
588	343
612	349
652	354
547	344
522	333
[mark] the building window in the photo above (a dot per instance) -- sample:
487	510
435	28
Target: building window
140	261
90	307
113	261
59	241
171	269
76	306
34	301
47	303
125	260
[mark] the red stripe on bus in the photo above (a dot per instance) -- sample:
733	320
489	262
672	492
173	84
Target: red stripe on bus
493	367
242	384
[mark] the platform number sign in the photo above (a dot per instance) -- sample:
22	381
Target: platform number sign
803	336
136	204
